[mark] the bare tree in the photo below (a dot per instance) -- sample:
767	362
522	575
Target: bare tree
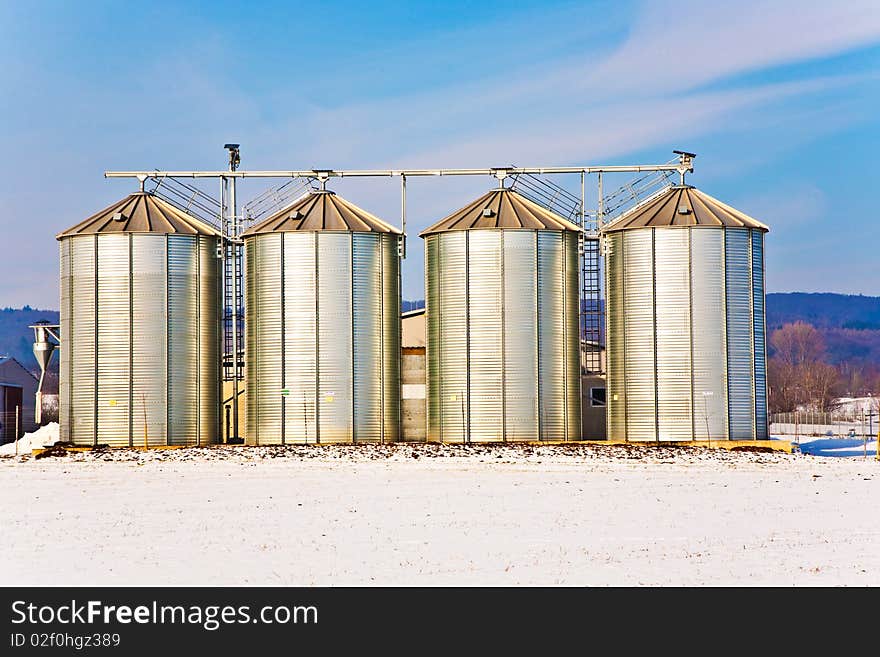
797	343
797	372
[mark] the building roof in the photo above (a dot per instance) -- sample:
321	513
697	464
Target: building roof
8	363
682	205
321	210
501	208
140	212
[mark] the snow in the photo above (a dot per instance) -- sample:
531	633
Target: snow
45	436
823	446
439	515
855	405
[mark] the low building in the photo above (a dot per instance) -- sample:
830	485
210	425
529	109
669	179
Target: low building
18	390
413	409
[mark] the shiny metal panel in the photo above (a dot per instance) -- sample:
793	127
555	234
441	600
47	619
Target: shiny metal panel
208	341
149	303
552	381
759	328
571	365
616	352
686	328
391	337
300	334
79	333
113	341
502	335
183	340
367	296
322	328
265	383
334	337
453	330
485	296
433	343
740	341
638	308
520	336
673	334
708	327
251	333
64	387
148	297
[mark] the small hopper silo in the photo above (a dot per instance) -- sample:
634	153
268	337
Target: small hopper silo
140	308
502	323
686	331
322	309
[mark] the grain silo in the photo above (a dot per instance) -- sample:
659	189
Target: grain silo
322	309
686	333
502	329
140	306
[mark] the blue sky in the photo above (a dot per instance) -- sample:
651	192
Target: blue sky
778	99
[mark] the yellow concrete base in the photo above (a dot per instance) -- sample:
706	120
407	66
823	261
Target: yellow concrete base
775	445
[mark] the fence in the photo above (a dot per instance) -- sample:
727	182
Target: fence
10	423
861	424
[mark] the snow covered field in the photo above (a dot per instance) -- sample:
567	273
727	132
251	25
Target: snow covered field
440	515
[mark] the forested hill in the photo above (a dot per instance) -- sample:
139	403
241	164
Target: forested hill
823	310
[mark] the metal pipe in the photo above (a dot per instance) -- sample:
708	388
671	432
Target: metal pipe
236	357
359	173
403	216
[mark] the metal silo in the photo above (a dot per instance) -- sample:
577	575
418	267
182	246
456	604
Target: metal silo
502	323
686	330
322	303
140	307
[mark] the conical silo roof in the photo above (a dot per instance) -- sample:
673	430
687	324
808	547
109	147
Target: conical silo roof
682	205
140	212
501	208
318	211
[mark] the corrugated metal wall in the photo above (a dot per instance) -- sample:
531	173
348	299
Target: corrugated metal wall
485	313
391	388
80	336
323	337
452	343
149	343
686	352
572	337
520	336
210	308
139	355
673	324
740	341
638	309
615	338
759	330
709	330
502	340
